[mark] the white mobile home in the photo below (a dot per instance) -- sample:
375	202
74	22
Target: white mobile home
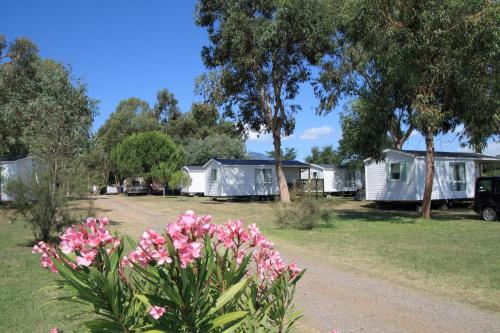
401	176
233	178
336	180
12	168
197	175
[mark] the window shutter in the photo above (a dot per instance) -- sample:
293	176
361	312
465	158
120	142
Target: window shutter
388	171
403	172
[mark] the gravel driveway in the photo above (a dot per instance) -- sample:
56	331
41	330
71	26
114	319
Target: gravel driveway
341	300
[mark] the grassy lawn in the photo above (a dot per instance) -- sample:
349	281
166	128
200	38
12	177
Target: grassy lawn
24	295
459	259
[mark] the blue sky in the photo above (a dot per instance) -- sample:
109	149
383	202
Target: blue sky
134	48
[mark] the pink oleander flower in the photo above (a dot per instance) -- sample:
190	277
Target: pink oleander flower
104	221
293	269
232	234
156	312
160	256
54	330
139	257
189	253
47	255
86	257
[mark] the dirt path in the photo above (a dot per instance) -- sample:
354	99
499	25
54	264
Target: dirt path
336	299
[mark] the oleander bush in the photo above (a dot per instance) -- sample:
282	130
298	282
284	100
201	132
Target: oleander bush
194	277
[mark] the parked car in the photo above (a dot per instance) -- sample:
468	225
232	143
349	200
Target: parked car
487	198
112	189
135	185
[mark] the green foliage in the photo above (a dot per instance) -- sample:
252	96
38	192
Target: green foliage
161	172
138	154
43	207
60	129
365	131
44	111
289	154
166	108
114	302
303	214
435	60
179	180
202	121
261	52
324	155
131	116
200	151
18	87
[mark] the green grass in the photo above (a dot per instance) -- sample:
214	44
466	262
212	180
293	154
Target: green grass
25	291
454	257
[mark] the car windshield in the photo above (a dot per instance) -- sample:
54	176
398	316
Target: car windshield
484	185
136	183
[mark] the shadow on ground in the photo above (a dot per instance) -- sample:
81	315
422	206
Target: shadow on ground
405	213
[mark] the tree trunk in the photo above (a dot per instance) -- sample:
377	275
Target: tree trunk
283	187
429	174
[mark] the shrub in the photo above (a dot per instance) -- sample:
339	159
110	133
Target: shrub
303	214
179	180
196	277
41	204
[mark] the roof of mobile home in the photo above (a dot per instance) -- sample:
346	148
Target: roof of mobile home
449	154
259	162
12	158
194	167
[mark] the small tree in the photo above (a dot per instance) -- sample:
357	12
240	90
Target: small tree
161	173
139	153
179	180
35	201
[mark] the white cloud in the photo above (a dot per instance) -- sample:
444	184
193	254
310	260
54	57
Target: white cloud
493	149
316	133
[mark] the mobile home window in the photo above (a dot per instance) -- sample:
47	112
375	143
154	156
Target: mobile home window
263	176
350	179
395	171
215	175
458	181
315	174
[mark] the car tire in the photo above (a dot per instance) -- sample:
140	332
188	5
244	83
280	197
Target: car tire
489	214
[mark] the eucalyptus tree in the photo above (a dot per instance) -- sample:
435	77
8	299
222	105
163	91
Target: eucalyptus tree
18	86
166	107
439	57
261	52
